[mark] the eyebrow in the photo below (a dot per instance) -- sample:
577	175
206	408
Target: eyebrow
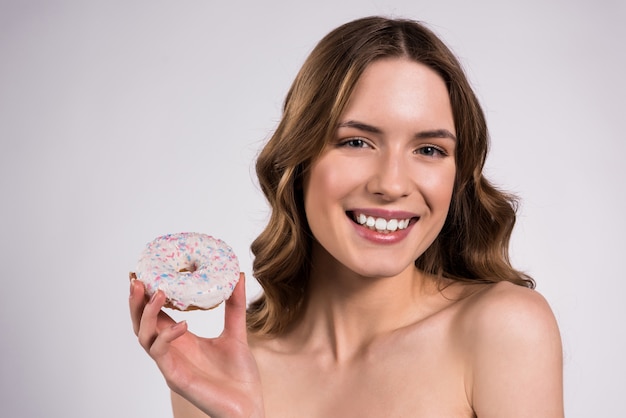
434	133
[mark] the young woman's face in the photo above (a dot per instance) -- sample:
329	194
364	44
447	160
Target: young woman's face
378	195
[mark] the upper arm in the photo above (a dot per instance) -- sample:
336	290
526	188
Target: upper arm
182	408
516	356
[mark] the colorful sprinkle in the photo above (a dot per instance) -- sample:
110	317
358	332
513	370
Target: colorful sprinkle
192	269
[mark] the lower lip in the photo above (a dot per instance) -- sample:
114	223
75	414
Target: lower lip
380	237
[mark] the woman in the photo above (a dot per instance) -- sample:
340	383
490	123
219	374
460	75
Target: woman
387	285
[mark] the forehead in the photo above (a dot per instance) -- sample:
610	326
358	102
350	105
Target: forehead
401	90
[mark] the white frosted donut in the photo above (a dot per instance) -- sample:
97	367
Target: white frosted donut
195	271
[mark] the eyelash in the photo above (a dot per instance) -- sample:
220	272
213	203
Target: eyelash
438	150
351	143
362	143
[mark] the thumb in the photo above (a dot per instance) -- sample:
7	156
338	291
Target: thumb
235	311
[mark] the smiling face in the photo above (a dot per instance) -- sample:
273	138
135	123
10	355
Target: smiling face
379	193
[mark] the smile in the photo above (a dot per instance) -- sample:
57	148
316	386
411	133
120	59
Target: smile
380	224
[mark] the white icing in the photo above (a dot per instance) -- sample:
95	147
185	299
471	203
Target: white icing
212	264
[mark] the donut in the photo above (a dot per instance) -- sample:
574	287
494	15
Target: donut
194	270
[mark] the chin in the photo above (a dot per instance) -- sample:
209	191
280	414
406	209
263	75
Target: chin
381	272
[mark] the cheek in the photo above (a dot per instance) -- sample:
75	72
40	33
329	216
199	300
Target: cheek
328	178
438	187
317	185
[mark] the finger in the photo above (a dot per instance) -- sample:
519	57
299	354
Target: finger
235	311
136	302
165	337
148	332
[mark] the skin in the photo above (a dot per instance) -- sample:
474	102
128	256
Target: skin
378	337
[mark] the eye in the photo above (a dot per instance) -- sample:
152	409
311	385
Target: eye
354	143
431	151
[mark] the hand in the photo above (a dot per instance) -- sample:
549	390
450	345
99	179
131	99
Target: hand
218	375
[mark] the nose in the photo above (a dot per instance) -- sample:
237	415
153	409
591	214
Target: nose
390	179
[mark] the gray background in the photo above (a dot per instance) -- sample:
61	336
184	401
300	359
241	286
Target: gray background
124	120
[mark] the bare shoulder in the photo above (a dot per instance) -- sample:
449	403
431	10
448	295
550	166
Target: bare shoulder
506	306
506	315
513	342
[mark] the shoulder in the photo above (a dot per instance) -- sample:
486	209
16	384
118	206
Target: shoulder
513	352
508	307
505	315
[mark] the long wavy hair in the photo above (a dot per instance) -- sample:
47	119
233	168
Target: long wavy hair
473	245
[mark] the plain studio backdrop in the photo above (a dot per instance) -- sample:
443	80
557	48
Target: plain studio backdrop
124	120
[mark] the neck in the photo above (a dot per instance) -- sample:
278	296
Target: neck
346	312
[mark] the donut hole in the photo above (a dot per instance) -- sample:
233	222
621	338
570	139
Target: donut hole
188	269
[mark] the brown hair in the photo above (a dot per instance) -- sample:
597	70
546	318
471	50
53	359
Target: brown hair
473	243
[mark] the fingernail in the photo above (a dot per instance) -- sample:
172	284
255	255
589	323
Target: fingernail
132	276
153	297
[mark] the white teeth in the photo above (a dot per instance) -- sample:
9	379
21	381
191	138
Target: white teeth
382	224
